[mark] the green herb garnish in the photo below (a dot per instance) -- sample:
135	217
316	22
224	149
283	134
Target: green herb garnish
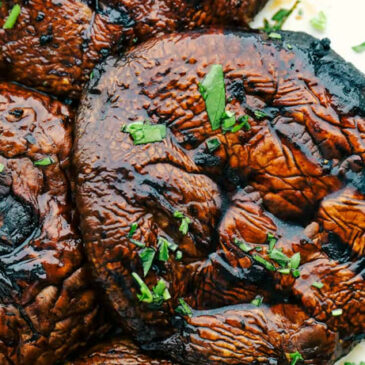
260	114
295	261
268	265
147	255
272	241
279	257
213	144
145	295
317	284
257	301
243	245
184	308
137	243
178	255
2	167
143	133
295	273
163	253
185	221
159	292
132	229
274	35
295	357
359	48
279	19
212	89
337	312
243	123
44	162
319	22
12	18
228	121
285	271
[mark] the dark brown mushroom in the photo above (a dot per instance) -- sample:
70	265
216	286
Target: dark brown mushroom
54	45
47	306
293	174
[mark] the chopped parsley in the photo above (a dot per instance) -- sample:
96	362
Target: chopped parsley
137	243
285	271
295	273
259	114
213	144
337	312
295	357
13	16
319	22
274	35
243	123
359	48
2	167
257	301
143	133
279	257
213	91
243	245
132	229
178	255
279	19
268	265
185	221
184	308
44	162
147	255
272	241
228	121
158	295
317	284
295	261
164	247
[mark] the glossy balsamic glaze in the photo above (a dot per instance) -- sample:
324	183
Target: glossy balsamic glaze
297	173
55	44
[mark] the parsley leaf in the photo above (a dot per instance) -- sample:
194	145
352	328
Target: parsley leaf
132	229
43	162
243	245
163	254
185	221
268	265
279	257
147	255
178	255
295	261
2	167
359	48
257	301
272	241
337	312
12	18
274	35
184	308
295	357
137	243
213	144
260	114
213	91
319	22
145	295
317	284
143	133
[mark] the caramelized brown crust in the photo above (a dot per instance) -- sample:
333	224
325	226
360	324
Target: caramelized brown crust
47	307
118	351
54	45
297	173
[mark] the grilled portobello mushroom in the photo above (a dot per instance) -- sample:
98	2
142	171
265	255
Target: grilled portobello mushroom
234	236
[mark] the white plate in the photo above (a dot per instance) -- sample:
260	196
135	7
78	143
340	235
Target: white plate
346	28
